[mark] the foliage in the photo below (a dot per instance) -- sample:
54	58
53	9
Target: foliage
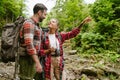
90	42
113	56
69	13
105	13
107	57
10	10
101	34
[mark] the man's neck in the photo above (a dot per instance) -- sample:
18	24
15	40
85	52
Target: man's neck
35	18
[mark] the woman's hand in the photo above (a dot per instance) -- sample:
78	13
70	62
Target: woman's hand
52	49
86	20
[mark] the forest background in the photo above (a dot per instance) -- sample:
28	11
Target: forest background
100	37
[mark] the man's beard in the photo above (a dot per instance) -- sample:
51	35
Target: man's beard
41	19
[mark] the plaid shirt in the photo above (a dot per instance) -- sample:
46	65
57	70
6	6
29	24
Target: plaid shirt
46	45
30	36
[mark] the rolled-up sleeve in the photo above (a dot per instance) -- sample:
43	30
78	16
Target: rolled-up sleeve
28	29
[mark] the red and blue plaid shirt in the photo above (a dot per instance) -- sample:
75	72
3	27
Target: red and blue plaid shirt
30	34
46	45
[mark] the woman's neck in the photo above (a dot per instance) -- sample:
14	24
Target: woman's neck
51	31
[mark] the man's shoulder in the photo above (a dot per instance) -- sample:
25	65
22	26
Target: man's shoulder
29	21
28	24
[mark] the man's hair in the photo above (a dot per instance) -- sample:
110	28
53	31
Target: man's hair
39	6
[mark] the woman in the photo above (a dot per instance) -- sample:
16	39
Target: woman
52	49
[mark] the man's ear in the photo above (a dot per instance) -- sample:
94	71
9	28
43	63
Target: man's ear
39	12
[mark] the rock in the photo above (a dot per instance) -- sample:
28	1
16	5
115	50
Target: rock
118	78
6	70
84	77
104	78
89	71
108	70
72	52
69	75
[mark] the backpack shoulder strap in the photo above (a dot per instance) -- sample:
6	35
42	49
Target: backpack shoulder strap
44	36
59	36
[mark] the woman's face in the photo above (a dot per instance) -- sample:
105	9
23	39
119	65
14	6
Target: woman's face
53	24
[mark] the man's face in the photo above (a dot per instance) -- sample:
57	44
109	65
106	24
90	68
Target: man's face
42	15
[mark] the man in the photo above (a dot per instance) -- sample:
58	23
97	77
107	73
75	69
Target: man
30	39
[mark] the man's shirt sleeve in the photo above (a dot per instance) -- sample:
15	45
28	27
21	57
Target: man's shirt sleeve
28	29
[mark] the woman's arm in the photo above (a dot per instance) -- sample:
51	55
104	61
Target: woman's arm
74	32
44	51
86	20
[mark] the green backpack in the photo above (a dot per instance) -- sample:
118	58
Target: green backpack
10	39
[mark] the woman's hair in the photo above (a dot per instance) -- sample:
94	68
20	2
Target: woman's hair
39	6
